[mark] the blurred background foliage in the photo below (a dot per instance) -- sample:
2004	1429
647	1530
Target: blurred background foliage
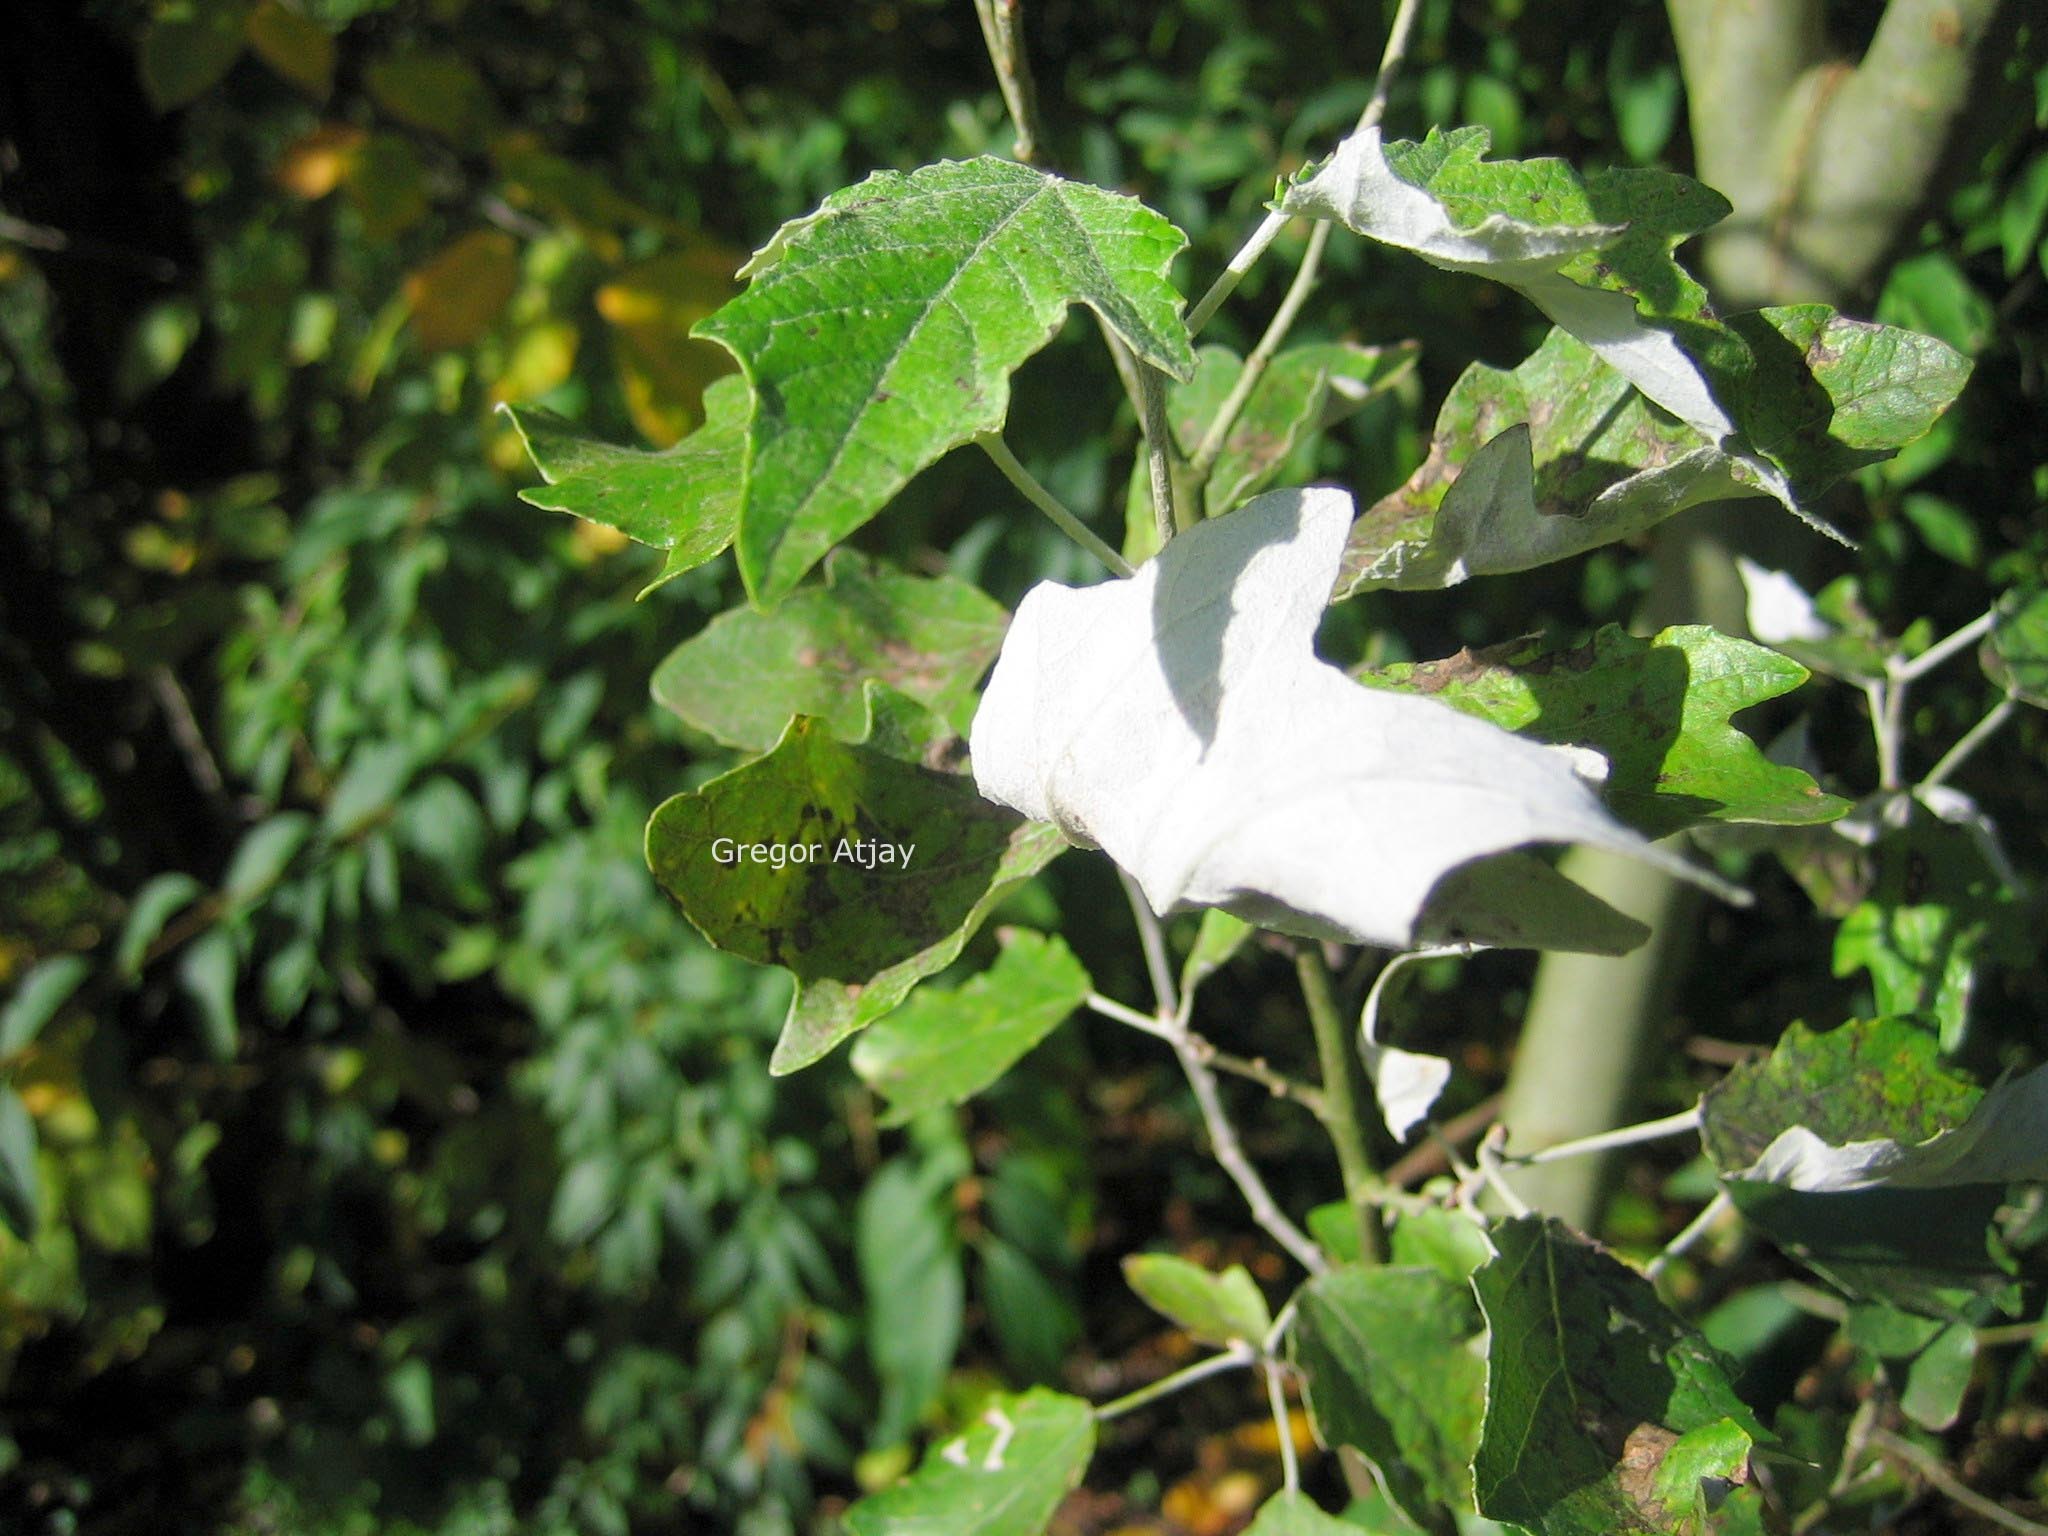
386	1155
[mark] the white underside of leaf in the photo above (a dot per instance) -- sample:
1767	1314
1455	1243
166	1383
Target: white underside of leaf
1180	720
1779	609
2005	1140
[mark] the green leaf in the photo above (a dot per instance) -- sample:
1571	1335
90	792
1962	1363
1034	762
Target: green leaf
188	47
206	971
2015	656
1532	464
781	861
685	499
1939	908
1296	1514
943	1047
1004	1477
1449	1242
1219	937
1930	293
160	899
262	856
1939	1377
44	990
1034	1323
1386	1355
881	331
1658	710
1592	1387
908	1247
1788	399
1861	1081
747	672
1825	394
1224	1308
21	1182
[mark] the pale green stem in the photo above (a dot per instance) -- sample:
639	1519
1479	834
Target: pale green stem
1203	461
1174	1033
1493	1170
992	444
1002	32
1953	1488
1690	1234
1972	739
1290	1467
1158	450
1340	1102
1166	1386
1607	1141
1944	648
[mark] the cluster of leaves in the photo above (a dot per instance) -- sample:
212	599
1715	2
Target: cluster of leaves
396	1144
1176	720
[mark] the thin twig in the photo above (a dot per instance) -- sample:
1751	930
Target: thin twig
1252	1069
1606	1141
1429	1157
1953	1488
1237	1355
1887	727
1033	491
1491	1169
1290	1467
1002	30
1942	649
1151	940
1690	1234
1391	56
1202	463
1971	740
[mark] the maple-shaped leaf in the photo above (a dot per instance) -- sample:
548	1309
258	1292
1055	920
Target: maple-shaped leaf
1180	720
882	330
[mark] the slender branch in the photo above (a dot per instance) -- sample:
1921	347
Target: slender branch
1690	1234
1290	1467
1227	280
1340	1103
1942	649
1252	1069
1887	723
1203	462
1002	31
1492	1170
1606	1141
1229	1152
1166	1386
1953	1488
1391	57
1152	940
1971	740
1158	450
1223	1142
1033	491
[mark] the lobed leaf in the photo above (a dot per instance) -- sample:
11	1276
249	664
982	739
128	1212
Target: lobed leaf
856	935
1004	1477
1604	1413
1872	1102
746	673
881	331
684	499
1180	720
943	1047
1659	710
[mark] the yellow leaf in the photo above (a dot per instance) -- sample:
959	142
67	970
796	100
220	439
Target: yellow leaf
319	160
541	358
457	295
295	46
434	91
570	196
651	308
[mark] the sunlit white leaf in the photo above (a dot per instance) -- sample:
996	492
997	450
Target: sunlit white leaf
1180	720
